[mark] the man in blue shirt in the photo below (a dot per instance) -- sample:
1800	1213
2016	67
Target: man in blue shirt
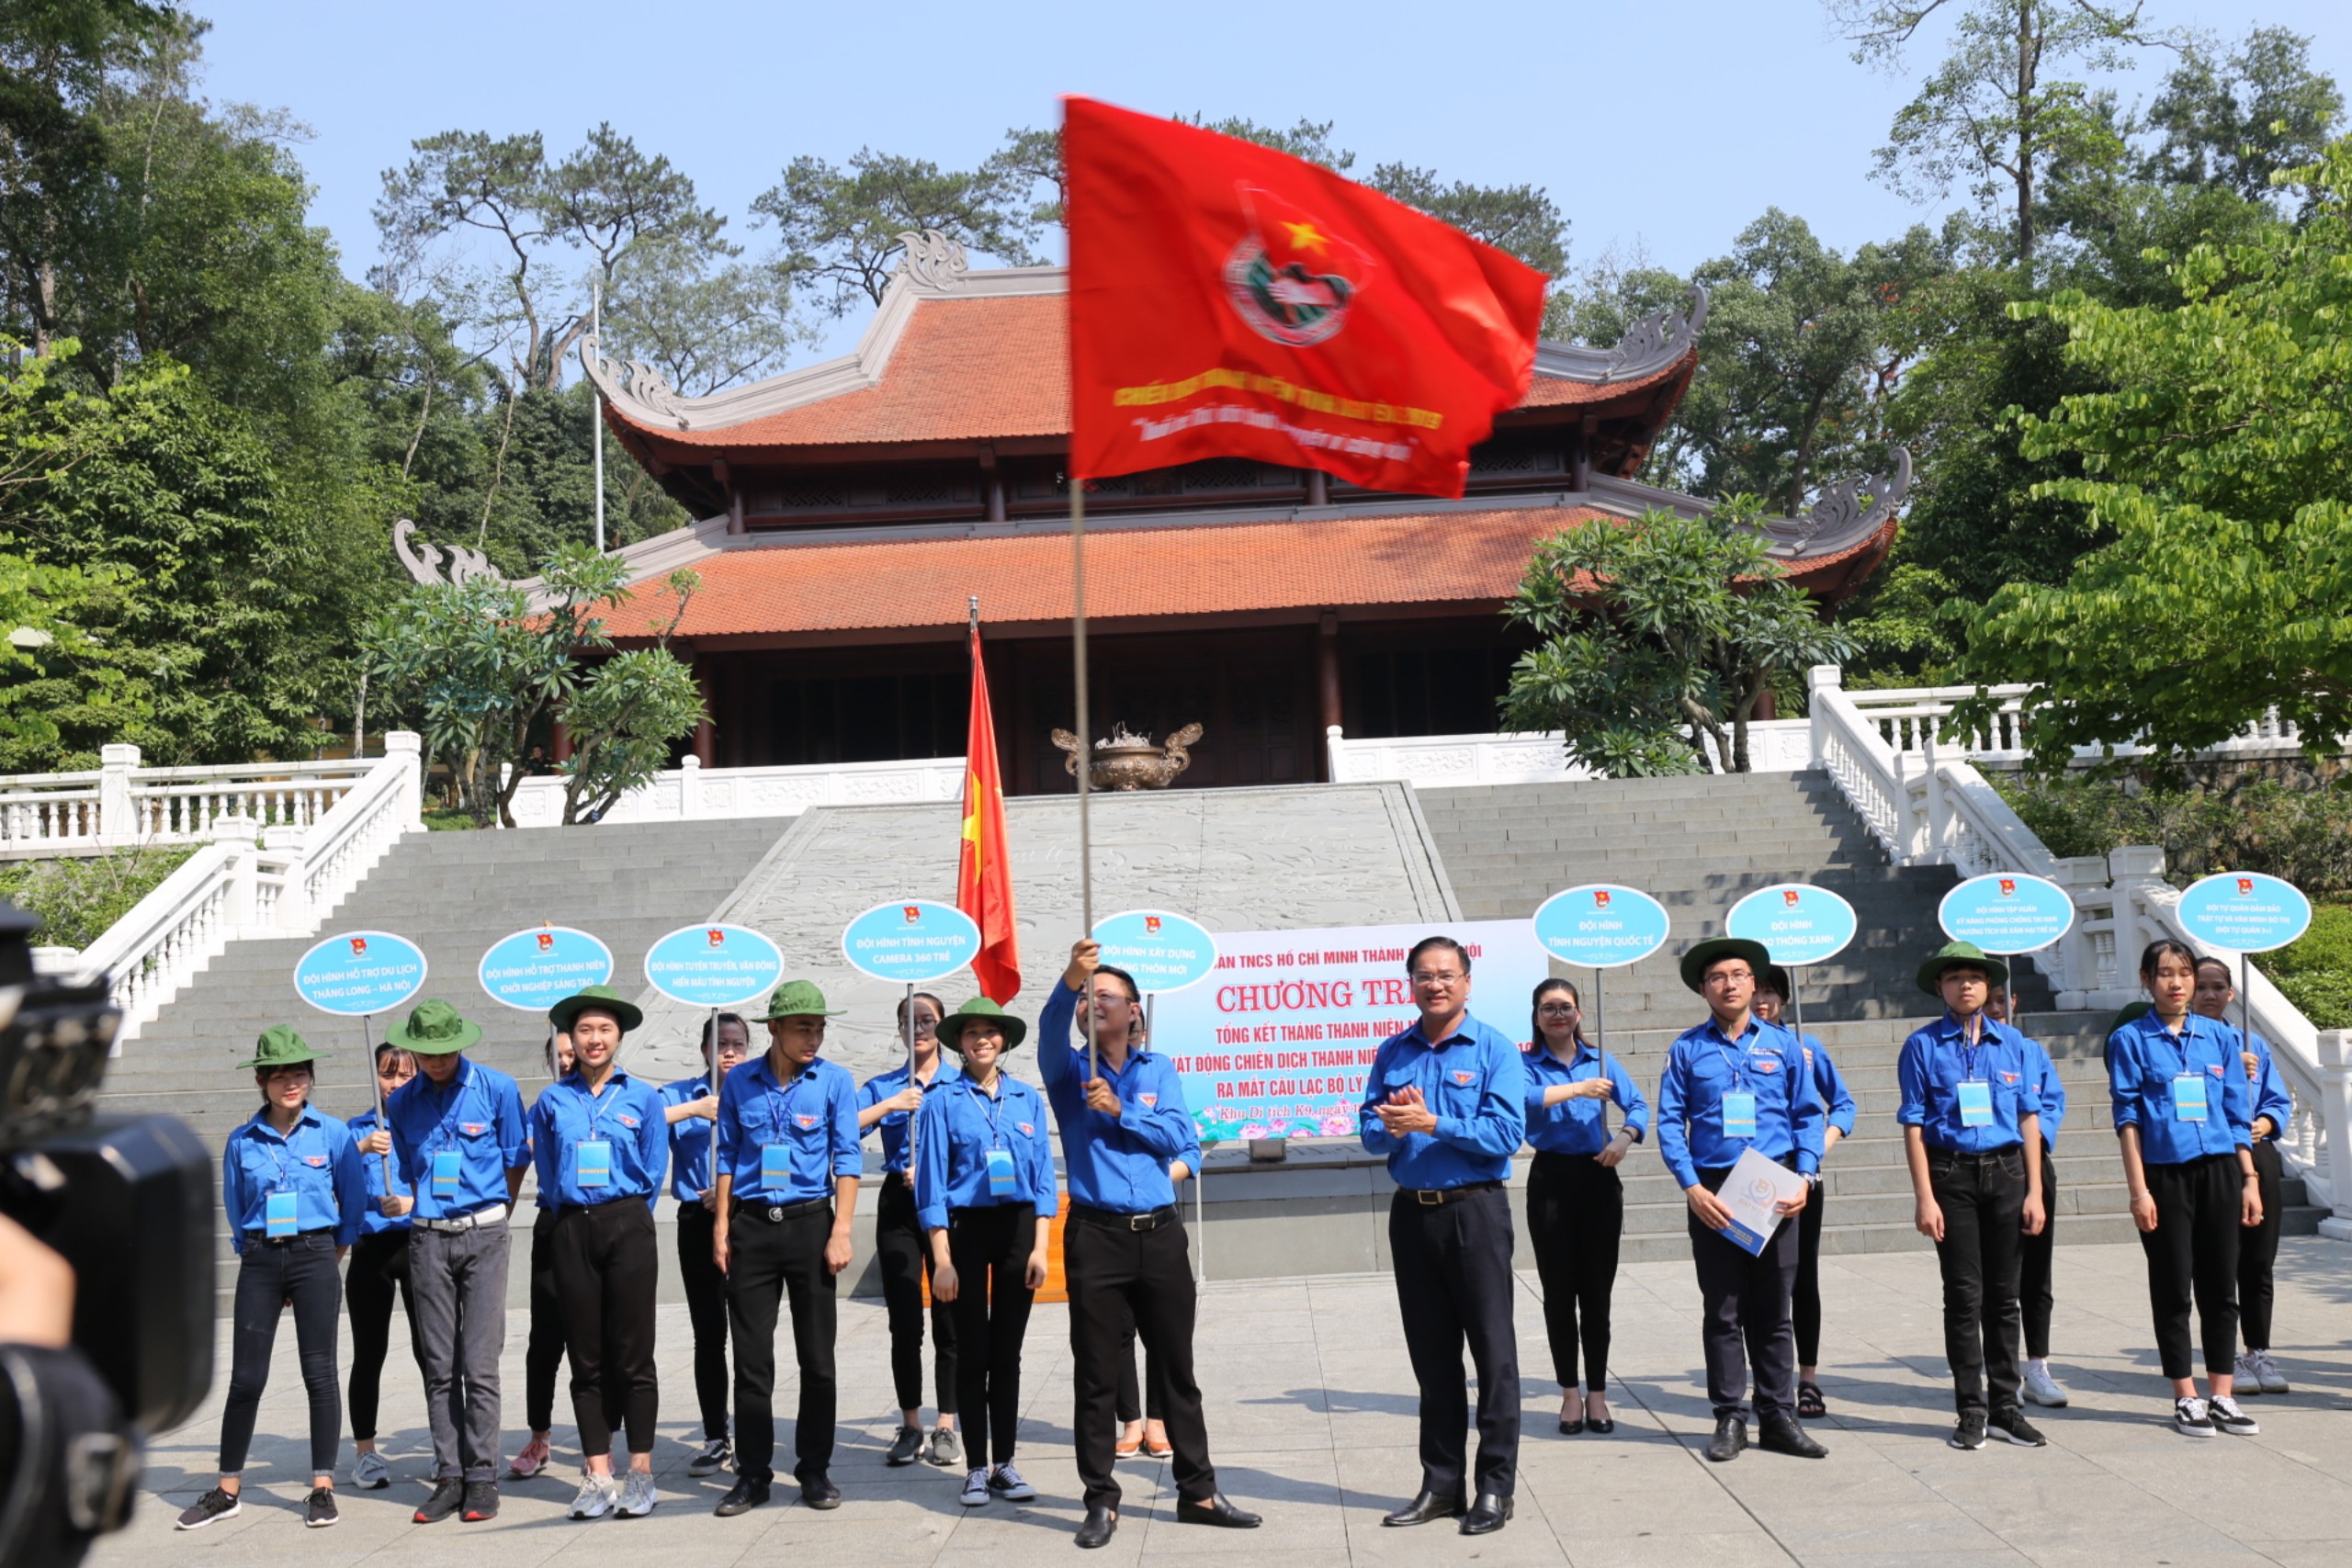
1733	1083
2258	1245
458	1134
1446	1101
1126	1139
601	1144
1972	1135
788	1166
691	1107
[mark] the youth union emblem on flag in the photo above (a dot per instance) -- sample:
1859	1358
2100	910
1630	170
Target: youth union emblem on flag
1291	278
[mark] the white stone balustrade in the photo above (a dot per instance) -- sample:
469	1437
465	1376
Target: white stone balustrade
123	805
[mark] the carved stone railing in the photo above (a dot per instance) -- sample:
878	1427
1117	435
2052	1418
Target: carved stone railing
1442	762
692	791
123	805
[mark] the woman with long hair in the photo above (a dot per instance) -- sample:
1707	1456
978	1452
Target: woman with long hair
378	1268
691	1106
2270	1106
543	1350
890	1100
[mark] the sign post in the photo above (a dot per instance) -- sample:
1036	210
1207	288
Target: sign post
1602	927
358	975
2008	915
2245	911
1164	952
714	966
1798	924
912	942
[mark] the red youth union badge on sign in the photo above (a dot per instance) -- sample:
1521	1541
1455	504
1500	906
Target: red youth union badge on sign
913	914
2008	887
2245	886
717	939
359	947
1789	896
1151	924
1600	897
547	942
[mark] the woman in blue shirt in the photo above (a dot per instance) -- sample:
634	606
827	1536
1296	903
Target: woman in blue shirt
291	1188
1804	1303
2179	1094
890	1102
379	1268
1576	1203
2257	1247
984	1191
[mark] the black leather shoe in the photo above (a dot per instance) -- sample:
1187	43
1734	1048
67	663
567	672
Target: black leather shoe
1601	1426
742	1498
1486	1515
1216	1511
1731	1437
818	1492
1099	1525
1425	1507
1781	1435
1570	1429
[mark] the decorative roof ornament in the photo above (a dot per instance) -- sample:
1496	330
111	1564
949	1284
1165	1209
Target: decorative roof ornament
645	388
423	559
934	261
1845	513
1659	340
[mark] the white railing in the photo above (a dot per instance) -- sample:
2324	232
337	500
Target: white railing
254	880
694	791
1914	787
1909	719
122	804
1445	762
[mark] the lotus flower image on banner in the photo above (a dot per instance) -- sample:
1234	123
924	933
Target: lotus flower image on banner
1227	300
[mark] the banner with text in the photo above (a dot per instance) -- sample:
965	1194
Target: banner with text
1276	1041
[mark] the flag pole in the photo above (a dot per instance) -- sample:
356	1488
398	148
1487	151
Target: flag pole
1085	757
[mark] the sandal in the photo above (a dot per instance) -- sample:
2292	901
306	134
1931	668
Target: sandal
1809	1401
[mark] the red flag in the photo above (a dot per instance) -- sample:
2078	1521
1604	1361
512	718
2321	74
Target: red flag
983	875
1229	301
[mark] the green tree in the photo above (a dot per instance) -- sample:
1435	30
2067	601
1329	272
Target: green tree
2235	120
1657	636
628	713
838	231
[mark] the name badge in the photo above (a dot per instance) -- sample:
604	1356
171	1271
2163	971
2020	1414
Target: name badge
447	1169
281	1213
596	1163
1975	1103
2188	1098
1740	1114
775	1168
999	1172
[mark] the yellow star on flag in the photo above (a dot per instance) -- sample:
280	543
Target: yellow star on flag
972	826
1304	237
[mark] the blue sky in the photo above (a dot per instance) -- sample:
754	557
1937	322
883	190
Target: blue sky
1670	122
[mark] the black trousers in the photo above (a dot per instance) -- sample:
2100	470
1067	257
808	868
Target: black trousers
1576	1214
2259	1252
772	1262
1983	1199
1126	1282
1805	1297
707	1311
2194	1251
543	1354
377	1268
300	1272
606	1267
1454	1284
1139	1401
905	1255
989	1245
1745	1316
2035	1294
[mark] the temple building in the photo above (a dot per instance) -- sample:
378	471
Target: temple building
853	509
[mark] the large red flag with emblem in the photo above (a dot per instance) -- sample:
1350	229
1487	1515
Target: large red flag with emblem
983	874
1229	301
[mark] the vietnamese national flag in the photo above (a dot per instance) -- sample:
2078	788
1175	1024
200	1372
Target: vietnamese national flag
1229	301
983	875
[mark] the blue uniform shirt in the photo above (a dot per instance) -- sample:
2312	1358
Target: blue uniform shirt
1702	1066
1579	1126
2049	1087
893	1127
318	1162
375	1222
1475	1081
2266	1089
2143	1058
1118	1163
689	1141
1829	1088
627	1117
479	1116
813	1119
960	1124
1938	1059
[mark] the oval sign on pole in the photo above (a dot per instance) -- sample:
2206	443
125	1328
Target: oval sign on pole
714	966
1601	925
359	972
2007	912
535	968
1163	951
2245	911
1796	922
910	941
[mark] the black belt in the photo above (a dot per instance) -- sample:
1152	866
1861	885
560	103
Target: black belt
562	1209
1974	1156
1111	1219
1438	1197
263	1238
777	1213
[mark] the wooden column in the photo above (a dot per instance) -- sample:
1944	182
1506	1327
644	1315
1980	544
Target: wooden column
1318	487
1327	669
706	732
562	737
1585	434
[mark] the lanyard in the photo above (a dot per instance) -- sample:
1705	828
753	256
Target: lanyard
285	1176
1735	1060
780	1100
458	1086
1969	1054
995	1109
598	1103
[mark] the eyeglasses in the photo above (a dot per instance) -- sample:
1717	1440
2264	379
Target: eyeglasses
1424	977
1726	977
1557	1009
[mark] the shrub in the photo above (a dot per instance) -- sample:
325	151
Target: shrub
78	899
2304	836
2316	973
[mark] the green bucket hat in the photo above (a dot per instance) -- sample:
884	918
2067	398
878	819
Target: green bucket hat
434	1029
1695	962
798	998
280	1046
1959	955
603	999
951	1028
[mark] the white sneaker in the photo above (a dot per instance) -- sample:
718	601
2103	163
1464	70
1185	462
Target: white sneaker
2191	1419
975	1488
2267	1373
2040	1388
638	1495
1006	1483
370	1472
596	1497
2223	1412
